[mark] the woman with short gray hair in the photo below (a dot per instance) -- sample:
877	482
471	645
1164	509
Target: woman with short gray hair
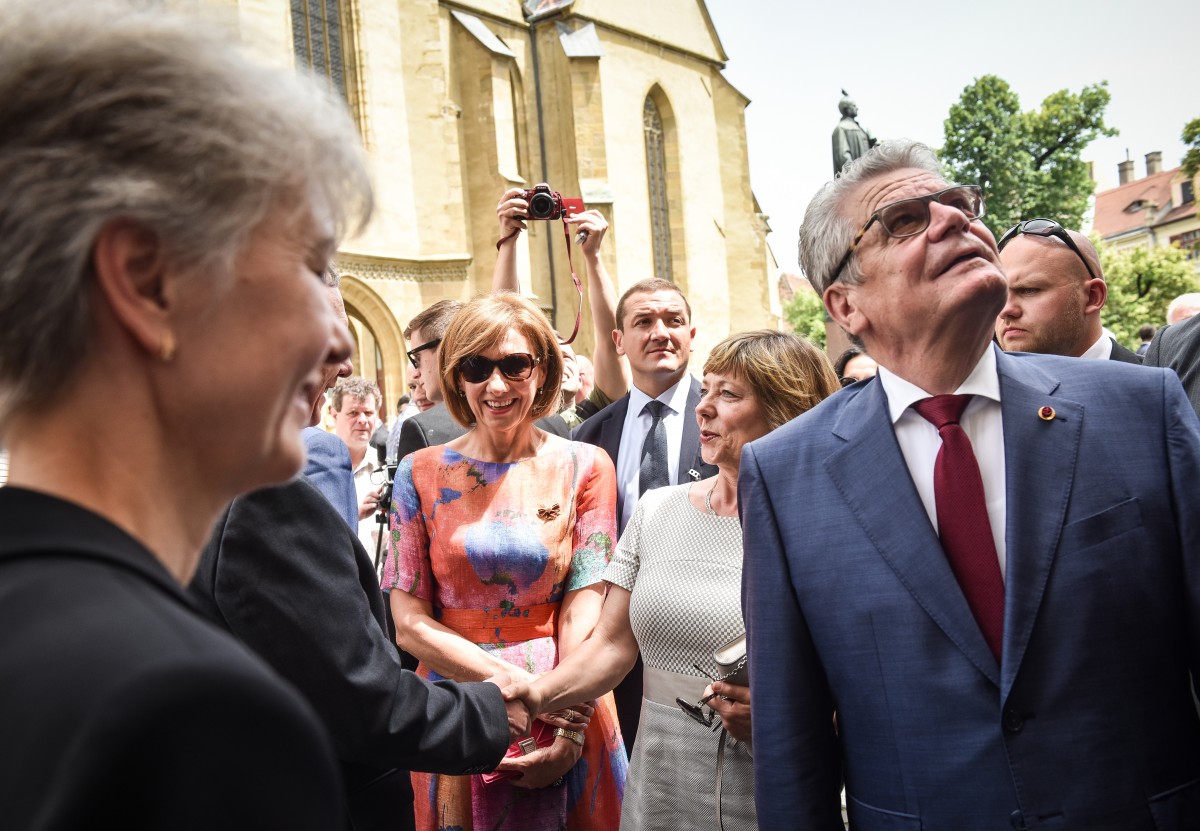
170	206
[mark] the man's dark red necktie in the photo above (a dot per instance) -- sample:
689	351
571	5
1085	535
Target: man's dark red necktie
962	517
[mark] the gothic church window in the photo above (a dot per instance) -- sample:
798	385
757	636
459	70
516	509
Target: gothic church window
656	172
322	38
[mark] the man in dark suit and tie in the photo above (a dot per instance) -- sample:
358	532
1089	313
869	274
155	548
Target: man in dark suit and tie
651	432
286	574
1056	290
984	563
1177	346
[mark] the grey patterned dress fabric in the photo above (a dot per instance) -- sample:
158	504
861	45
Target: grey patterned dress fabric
684	569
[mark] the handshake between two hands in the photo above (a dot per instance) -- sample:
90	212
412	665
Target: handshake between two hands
547	765
522	702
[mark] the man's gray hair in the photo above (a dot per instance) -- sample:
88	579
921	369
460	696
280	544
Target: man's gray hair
829	227
111	110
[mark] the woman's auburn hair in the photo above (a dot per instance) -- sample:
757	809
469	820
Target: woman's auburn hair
478	327
788	374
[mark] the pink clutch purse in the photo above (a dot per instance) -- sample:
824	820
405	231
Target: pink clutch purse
541	735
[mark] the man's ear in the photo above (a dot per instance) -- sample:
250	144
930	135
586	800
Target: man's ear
617	335
840	303
130	265
1097	295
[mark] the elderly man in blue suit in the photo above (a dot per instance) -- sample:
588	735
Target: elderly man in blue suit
986	565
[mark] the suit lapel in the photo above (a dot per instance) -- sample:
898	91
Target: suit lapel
872	477
1039	469
689	447
609	440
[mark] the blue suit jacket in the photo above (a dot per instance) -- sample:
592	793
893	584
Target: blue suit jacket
1088	720
327	468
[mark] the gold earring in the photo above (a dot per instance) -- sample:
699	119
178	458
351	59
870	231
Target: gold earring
166	350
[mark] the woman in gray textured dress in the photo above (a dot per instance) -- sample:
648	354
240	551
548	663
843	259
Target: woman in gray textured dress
675	594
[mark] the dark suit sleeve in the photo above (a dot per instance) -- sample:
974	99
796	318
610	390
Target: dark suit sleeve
412	438
1183	444
797	763
288	583
193	748
554	424
1154	355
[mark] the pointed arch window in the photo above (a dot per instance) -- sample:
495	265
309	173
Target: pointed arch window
322	39
656	173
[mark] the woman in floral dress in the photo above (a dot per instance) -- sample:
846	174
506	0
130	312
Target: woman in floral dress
499	542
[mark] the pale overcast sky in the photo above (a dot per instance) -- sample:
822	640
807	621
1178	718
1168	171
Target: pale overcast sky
906	63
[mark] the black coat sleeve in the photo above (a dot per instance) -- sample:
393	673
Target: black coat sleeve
412	438
191	745
293	583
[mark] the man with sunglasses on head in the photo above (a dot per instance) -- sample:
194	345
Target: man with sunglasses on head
1056	290
986	564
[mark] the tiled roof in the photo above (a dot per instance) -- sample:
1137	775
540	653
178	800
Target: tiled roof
1113	216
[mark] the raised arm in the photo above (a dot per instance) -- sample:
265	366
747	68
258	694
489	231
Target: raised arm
510	213
612	373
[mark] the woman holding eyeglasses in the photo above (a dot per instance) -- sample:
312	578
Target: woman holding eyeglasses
675	594
499	540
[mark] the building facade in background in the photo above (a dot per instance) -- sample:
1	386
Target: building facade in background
1158	209
621	102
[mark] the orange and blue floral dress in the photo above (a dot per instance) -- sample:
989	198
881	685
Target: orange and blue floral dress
494	547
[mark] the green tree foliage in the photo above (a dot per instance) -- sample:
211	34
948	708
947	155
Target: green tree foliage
1191	137
1141	284
1026	162
805	313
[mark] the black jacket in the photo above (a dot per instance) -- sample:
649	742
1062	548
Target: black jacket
121	707
288	577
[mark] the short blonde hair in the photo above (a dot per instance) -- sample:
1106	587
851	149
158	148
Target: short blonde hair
788	374
479	326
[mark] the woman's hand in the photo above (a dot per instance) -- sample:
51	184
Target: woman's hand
511	213
733	706
576	717
544	766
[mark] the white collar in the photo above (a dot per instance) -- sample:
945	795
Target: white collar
901	394
1100	350
675	398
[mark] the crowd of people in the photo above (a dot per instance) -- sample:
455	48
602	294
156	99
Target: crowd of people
947	581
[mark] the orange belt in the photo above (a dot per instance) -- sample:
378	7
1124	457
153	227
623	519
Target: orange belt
503	625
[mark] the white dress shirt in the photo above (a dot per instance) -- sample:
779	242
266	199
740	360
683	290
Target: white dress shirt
633	435
1101	349
364	482
981	421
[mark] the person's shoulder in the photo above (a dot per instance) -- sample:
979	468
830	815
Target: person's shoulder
591	425
1072	373
589	455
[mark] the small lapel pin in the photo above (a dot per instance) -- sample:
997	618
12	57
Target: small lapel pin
1046	413
695	474
547	514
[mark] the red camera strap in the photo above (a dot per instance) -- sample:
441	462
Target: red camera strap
578	285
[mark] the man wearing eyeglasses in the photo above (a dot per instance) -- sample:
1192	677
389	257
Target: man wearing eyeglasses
1056	290
986	564
424	335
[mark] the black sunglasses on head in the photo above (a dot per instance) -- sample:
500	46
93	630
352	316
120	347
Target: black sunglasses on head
412	353
1044	228
515	367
